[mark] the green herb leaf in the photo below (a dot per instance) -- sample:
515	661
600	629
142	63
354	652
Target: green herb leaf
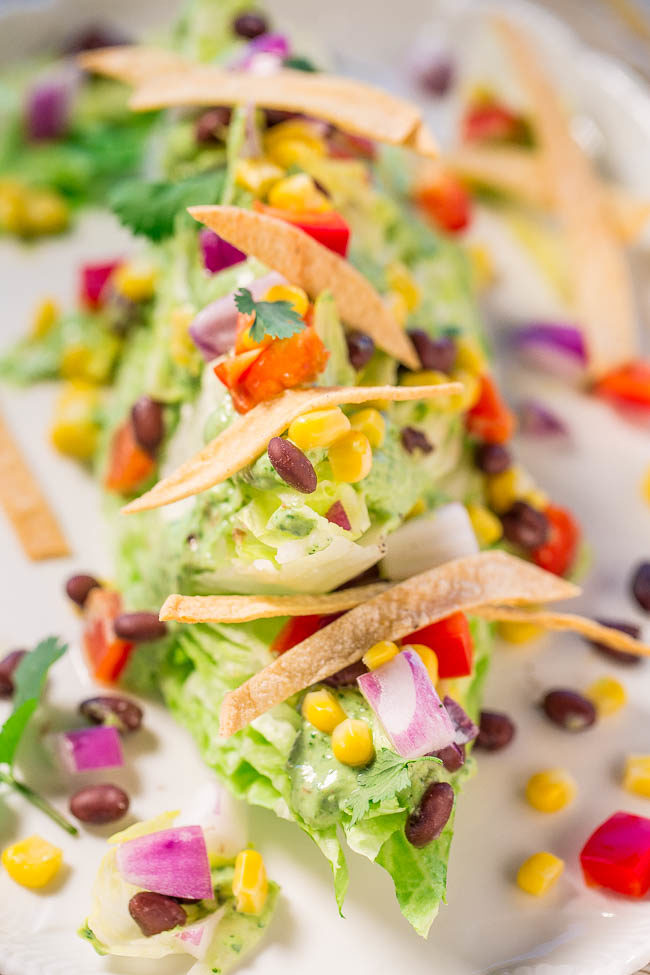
12	730
279	319
387	776
151	209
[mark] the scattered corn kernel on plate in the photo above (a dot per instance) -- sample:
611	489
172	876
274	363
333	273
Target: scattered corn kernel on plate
517	903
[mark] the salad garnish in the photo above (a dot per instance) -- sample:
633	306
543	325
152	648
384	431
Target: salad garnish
276	319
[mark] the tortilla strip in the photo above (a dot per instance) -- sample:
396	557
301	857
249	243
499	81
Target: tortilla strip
25	504
590	629
464	584
242	609
132	63
602	291
520	173
305	262
248	437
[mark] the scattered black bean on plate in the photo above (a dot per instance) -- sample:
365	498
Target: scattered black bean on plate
148	423
250	25
8	666
79	587
292	465
360	349
525	526
438	354
492	458
640	585
568	709
496	730
413	439
427	822
123	714
99	804
139	627
154	913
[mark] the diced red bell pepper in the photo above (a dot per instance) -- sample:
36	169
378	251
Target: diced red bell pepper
491	122
106	653
232	368
561	547
92	285
617	855
627	386
328	228
297	629
489	418
451	641
446	201
128	464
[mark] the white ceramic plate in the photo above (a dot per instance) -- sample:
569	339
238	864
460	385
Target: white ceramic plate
489	925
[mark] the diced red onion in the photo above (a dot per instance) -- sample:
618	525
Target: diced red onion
275	45
86	749
220	816
172	861
94	278
339	516
406	703
47	107
465	728
425	542
213	329
553	347
537	420
217	253
196	938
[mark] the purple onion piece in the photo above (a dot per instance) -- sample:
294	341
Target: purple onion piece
47	108
213	329
218	254
434	72
552	347
537	420
465	728
274	47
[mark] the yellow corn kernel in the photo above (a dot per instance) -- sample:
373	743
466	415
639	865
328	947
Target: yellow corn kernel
44	319
12	206
257	175
425	377
636	777
550	790
397	306
74	431
607	694
400	279
471	389
249	883
501	490
487	527
380	653
452	687
75	362
482	266
513	632
293	142
428	658
135	280
320	428
182	348
352	742
351	457
470	356
418	509
32	862
298	192
287	292
370	422
645	487
322	710
45	213
539	872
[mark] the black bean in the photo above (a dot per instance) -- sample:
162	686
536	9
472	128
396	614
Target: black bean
452	757
123	714
78	587
496	730
569	710
413	439
292	465
360	349
347	677
641	585
492	458
427	822
436	77
250	25
620	656
148	423
438	354
209	126
154	913
139	627
99	804
7	669
525	526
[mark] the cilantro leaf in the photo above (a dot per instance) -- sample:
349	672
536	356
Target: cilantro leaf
279	319
150	209
12	730
387	776
29	681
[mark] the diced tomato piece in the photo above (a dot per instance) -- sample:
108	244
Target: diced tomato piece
491	122
560	549
281	365
128	464
451	641
106	653
232	368
489	418
94	278
628	385
297	629
617	855
446	201
328	228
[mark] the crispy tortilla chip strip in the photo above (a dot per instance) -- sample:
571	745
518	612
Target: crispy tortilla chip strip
132	63
305	262
248	437
25	504
351	105
602	291
242	609
548	620
464	584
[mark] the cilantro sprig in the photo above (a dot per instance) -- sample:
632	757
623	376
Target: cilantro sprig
387	776
279	319
29	681
150	209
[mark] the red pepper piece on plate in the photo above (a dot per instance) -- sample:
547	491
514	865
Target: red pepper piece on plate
559	551
617	855
492	122
489	418
628	385
328	228
297	629
451	641
107	654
